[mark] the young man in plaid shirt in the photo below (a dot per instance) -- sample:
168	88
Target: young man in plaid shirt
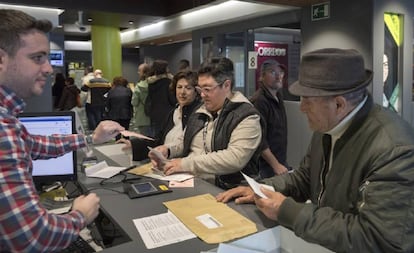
25	225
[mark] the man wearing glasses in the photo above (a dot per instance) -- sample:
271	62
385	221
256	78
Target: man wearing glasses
222	136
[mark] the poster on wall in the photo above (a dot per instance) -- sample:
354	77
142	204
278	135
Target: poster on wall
272	51
393	38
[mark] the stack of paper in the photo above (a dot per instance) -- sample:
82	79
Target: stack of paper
102	170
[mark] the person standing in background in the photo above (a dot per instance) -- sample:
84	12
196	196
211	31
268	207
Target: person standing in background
98	88
88	75
269	102
141	121
160	100
70	95
86	96
57	89
184	65
118	103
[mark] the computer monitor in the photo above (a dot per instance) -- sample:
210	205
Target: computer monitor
62	168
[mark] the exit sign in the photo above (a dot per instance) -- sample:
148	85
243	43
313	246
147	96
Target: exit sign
320	11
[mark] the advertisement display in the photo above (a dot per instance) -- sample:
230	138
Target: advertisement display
393	37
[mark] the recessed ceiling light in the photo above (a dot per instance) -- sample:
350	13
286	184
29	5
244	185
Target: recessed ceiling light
131	22
89	19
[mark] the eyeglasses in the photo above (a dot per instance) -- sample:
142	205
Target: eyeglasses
209	89
277	73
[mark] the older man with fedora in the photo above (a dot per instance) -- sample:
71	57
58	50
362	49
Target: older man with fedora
358	172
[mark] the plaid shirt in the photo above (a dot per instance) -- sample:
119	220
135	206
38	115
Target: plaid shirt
25	225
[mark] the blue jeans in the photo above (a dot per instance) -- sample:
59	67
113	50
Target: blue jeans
94	114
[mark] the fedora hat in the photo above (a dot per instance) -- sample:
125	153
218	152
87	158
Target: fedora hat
331	71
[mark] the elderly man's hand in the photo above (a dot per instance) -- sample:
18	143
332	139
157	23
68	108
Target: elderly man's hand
106	130
270	206
240	194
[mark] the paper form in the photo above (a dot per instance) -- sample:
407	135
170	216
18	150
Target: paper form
102	170
256	186
162	229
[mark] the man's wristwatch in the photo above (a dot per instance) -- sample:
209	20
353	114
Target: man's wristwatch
89	139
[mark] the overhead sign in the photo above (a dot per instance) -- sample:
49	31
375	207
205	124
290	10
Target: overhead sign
320	11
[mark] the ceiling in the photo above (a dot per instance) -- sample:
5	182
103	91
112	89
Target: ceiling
129	14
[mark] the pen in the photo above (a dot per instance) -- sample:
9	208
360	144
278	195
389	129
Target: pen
126	169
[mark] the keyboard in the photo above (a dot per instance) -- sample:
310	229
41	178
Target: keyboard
79	246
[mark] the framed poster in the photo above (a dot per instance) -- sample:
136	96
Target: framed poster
393	38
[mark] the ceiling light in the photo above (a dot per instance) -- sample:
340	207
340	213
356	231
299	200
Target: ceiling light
22	7
131	22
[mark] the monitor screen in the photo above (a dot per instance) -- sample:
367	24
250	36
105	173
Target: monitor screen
62	168
56	58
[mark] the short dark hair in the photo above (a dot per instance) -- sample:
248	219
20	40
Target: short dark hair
13	24
70	80
188	75
221	69
89	69
183	64
119	81
159	67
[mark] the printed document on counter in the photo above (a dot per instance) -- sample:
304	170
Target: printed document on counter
102	170
162	229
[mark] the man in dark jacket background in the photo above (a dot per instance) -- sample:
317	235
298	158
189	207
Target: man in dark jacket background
358	172
98	88
268	101
160	99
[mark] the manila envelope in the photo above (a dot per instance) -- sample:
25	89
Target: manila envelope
142	169
212	221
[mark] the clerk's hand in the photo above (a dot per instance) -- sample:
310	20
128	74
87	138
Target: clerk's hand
173	166
240	194
106	131
88	205
127	143
270	206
